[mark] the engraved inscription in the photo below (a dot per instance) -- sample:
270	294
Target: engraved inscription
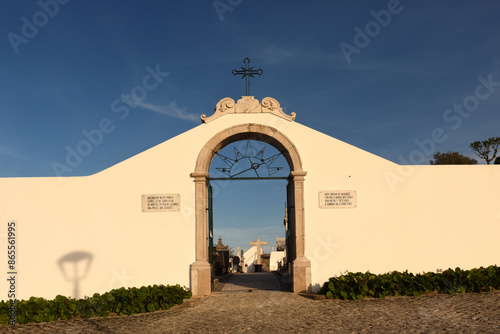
161	203
336	199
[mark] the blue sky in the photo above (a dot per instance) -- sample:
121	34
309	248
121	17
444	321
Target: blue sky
380	75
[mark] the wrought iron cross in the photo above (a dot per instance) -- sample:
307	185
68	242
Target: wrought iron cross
247	72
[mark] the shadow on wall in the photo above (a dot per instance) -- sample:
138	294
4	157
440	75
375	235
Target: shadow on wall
75	267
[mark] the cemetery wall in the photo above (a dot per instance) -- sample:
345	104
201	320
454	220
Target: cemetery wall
100	215
433	218
416	218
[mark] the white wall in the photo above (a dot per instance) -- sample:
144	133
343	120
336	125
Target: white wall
101	215
276	256
435	217
250	256
438	217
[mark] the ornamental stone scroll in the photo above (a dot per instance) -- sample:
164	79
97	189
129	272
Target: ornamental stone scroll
248	105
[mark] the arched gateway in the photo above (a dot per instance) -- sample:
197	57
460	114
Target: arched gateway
301	266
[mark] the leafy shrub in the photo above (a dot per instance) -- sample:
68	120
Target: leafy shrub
120	301
356	286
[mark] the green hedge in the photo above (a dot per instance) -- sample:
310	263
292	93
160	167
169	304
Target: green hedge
356	286
120	301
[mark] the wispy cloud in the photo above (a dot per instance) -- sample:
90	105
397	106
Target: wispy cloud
273	54
8	155
4	151
238	234
171	110
240	237
8	152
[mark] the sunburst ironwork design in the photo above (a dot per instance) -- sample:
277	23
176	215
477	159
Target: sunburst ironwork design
248	162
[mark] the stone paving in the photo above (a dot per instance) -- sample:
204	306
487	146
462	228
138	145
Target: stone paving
236	309
252	281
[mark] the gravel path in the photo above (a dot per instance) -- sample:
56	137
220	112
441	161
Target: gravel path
234	309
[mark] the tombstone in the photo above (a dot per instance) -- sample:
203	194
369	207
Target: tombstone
280	244
221	258
277	257
265	258
239	260
236	263
242	261
258	259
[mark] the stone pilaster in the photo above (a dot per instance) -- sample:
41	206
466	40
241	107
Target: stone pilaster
302	275
200	269
301	265
298	198
201	284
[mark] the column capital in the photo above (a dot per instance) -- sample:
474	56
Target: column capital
296	175
200	176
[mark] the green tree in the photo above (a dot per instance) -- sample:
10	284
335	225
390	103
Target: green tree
483	148
452	158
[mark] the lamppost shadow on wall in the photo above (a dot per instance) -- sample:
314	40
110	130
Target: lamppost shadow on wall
77	259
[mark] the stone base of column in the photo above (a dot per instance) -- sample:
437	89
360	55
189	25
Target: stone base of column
302	275
201	284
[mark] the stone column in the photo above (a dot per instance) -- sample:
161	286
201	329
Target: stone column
301	264
200	269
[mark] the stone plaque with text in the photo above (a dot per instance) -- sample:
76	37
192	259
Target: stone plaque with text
337	199
161	203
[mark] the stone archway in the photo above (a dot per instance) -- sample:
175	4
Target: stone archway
301	266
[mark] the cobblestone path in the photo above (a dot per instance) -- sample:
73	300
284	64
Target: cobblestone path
265	310
251	281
